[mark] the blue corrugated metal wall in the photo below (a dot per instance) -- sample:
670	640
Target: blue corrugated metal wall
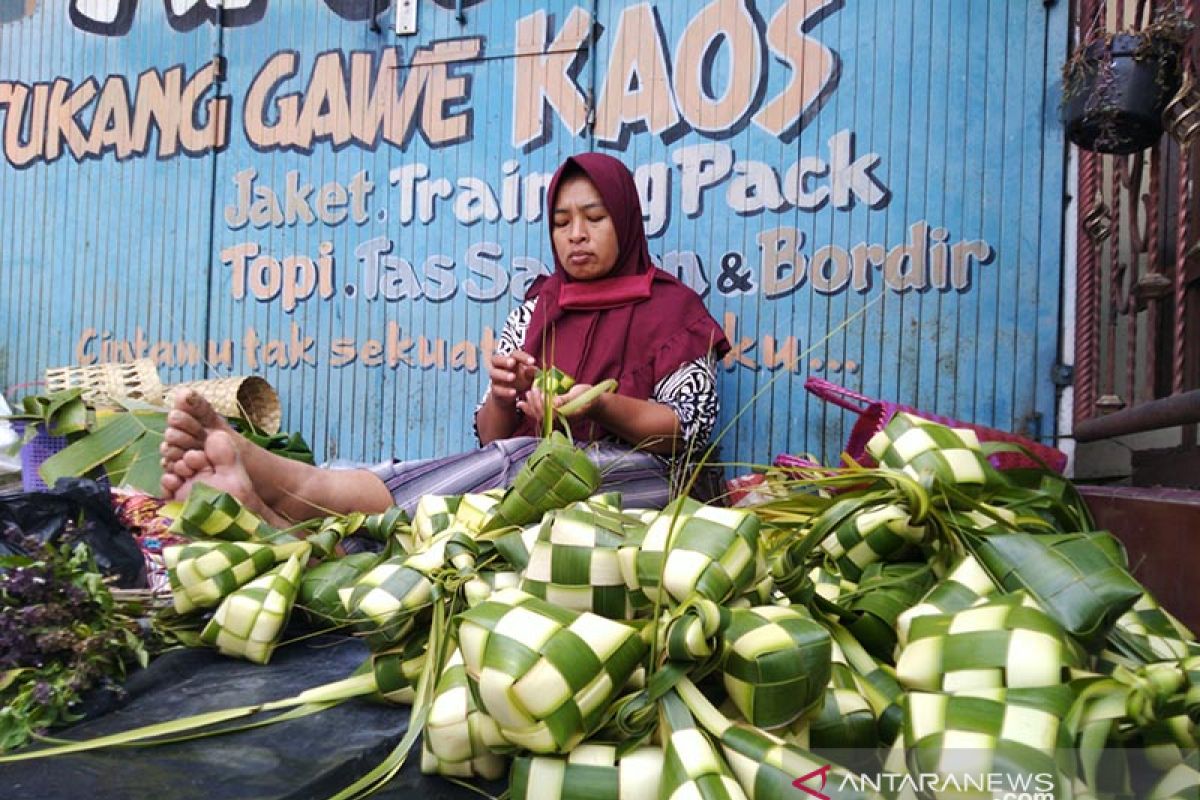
351	214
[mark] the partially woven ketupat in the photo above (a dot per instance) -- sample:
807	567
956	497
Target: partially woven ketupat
318	597
210	513
708	551
203	573
1015	734
249	622
1006	642
589	772
873	534
776	663
1150	633
474	510
574	561
555	475
545	674
459	737
920	448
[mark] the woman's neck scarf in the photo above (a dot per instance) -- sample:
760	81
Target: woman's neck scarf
637	324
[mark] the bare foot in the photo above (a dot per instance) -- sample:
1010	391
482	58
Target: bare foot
189	422
219	465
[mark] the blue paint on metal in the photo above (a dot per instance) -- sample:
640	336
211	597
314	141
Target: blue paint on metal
361	256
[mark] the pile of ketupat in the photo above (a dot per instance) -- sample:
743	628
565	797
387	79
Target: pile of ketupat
928	618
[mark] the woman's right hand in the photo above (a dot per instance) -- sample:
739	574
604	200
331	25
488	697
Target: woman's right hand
511	376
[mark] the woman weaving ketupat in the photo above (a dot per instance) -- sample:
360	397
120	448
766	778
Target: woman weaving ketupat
606	312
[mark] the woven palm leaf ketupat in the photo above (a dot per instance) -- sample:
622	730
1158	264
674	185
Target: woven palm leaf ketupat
695	548
589	772
210	513
574	561
966	583
543	673
876	533
776	663
921	448
203	573
460	739
1007	642
249	622
555	475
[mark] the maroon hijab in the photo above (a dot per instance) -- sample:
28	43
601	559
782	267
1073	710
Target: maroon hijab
638	324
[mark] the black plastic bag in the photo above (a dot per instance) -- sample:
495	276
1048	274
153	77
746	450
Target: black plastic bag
48	516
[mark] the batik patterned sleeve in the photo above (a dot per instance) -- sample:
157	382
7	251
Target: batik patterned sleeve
511	339
691	392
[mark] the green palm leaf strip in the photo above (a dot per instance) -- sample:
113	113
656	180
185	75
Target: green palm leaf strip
249	622
1073	577
459	738
589	772
776	663
874	681
555	475
1006	642
545	674
397	670
693	765
574	562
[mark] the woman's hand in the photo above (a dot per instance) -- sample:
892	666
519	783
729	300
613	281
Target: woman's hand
534	404
511	377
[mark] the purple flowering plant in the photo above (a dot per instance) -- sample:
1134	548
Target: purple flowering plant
61	634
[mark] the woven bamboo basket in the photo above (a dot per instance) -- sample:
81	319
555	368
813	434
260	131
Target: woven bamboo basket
106	384
246	397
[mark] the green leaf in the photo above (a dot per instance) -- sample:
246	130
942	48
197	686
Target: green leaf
9	677
92	450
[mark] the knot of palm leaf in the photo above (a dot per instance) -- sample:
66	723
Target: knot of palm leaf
693	631
544	673
1157	691
929	451
1003	642
872	533
398	668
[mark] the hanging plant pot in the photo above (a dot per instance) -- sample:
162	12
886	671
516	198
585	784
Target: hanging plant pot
1115	92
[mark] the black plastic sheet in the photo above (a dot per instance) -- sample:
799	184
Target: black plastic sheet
310	757
46	516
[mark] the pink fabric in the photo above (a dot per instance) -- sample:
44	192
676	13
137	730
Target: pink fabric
638	324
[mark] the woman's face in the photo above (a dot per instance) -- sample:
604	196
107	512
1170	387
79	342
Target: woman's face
585	239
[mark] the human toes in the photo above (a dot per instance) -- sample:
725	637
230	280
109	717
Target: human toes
170	483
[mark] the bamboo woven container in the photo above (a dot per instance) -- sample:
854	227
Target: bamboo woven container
247	397
106	384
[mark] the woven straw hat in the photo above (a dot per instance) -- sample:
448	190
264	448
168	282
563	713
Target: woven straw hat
247	397
105	384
